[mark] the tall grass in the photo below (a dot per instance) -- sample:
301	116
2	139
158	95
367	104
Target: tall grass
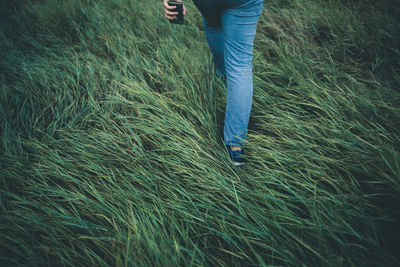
111	138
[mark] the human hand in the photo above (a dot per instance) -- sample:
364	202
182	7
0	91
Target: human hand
171	14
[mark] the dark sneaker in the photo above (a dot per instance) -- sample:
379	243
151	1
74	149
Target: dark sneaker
236	156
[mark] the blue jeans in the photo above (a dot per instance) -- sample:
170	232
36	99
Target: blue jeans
230	27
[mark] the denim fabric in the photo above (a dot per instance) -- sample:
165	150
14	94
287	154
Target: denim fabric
230	27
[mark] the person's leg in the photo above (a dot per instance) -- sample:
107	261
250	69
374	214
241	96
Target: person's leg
239	27
215	40
211	11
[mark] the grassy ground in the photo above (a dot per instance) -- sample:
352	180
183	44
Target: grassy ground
111	145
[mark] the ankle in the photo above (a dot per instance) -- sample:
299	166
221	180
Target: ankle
234	148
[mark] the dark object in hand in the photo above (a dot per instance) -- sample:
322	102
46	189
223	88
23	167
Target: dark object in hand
179	9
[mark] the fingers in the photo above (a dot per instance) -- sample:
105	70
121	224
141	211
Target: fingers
167	11
168	7
169	17
169	14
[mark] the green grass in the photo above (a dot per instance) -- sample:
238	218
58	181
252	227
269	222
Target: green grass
111	138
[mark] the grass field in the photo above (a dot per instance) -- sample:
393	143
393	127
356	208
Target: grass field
111	149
